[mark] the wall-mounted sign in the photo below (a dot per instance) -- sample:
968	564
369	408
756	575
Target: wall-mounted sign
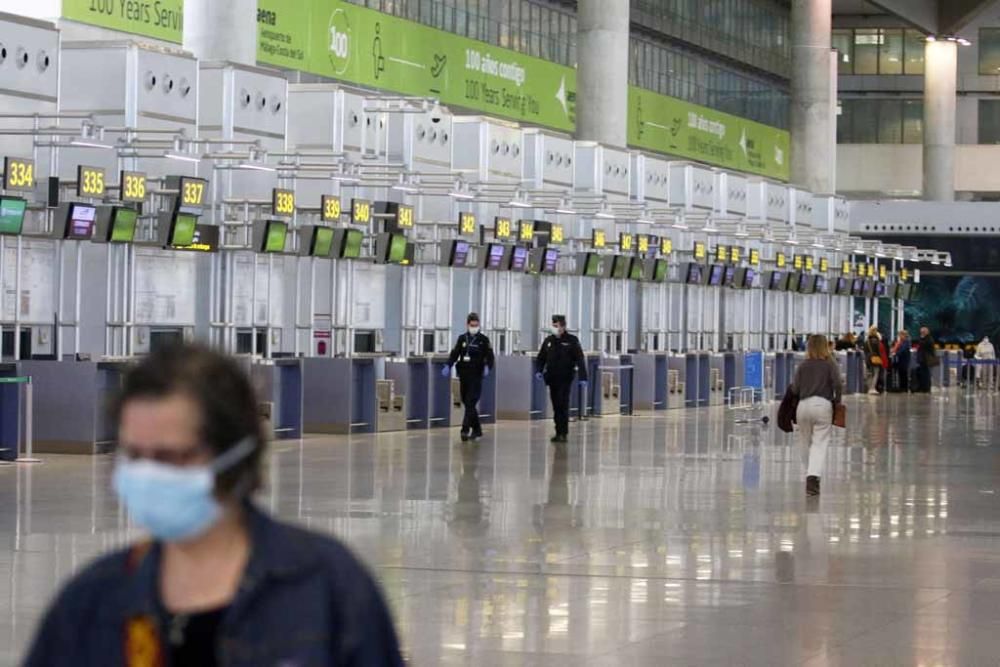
598	239
502	228
282	202
90	181
824	264
330	208
466	223
18	173
404	216
133	186
192	191
734	255
810	263
625	242
780	260
666	246
361	211
643	242
755	257
557	235
699	250
525	231
159	19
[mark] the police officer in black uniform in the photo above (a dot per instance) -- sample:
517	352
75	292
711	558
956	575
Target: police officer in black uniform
473	355
560	361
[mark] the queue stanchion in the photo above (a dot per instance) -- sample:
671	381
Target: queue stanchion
27	390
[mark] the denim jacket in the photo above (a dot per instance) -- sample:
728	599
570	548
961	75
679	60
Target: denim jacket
304	600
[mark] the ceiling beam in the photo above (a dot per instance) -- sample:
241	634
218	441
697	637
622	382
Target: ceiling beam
921	14
956	14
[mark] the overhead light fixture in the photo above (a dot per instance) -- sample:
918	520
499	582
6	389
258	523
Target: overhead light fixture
183	157
461	195
400	187
679	225
83	142
604	215
256	166
565	211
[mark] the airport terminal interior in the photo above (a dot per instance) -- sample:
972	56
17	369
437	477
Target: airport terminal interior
527	292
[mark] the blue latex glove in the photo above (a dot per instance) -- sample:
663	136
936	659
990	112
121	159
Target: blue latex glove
446	372
486	371
539	376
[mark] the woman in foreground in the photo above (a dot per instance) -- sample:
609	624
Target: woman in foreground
819	387
220	582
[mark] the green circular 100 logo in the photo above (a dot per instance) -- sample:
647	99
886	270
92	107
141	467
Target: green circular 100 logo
340	41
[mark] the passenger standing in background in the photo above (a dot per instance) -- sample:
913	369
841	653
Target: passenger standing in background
901	361
473	358
873	358
926	359
986	353
819	387
220	582
560	361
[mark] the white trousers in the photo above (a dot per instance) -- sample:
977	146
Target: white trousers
814	428
873	374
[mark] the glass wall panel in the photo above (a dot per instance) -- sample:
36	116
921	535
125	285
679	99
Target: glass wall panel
989	51
914	43
890	52
866	51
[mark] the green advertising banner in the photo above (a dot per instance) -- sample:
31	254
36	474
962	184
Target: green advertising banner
342	41
159	19
668	125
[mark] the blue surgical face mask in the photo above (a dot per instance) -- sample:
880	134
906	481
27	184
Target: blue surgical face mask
174	503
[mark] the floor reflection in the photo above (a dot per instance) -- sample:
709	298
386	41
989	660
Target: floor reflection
676	539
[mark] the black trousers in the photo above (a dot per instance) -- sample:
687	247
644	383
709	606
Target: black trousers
559	393
902	377
472	389
923	379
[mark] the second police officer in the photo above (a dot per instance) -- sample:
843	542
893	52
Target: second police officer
472	357
560	361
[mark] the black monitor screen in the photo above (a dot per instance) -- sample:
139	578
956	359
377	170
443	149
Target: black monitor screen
592	265
879	289
778	280
80	224
858	287
750	277
494	259
660	272
550	261
459	253
694	274
519	259
621	267
730	275
843	286
636	270
716	275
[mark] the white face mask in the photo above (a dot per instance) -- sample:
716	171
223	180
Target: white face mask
473	330
556	330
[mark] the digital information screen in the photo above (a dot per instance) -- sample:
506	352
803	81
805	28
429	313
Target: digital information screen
12	210
353	240
695	273
274	236
715	277
519	259
592	265
322	242
182	230
550	260
459	254
80	223
397	249
495	255
123	223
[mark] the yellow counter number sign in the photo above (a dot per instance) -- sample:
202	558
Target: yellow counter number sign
525	231
824	265
331	208
666	246
599	239
501	229
361	211
192	191
558	235
404	216
625	243
643	244
699	250
89	181
282	201
755	257
466	224
133	186
18	174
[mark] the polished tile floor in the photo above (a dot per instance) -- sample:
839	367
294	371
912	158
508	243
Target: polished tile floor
681	539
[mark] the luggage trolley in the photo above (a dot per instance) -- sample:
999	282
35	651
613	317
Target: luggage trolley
747	405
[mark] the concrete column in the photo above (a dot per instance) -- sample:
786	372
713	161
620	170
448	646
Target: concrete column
812	121
940	90
602	71
221	30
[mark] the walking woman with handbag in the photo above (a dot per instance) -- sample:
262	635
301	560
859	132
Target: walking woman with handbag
874	361
819	387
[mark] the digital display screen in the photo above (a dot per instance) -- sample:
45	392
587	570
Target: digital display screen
18	174
822	285
459	253
322	242
123	224
749	278
495	255
353	239
620	267
274	236
857	287
592	265
12	214
716	275
660	271
843	286
807	283
879	289
550	260
695	274
397	249
730	275
778	281
637	270
182	230
903	291
519	259
80	223
133	186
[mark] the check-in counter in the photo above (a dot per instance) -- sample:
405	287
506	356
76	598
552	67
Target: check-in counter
716	379
649	382
614	395
519	395
782	373
339	394
278	383
696	379
11	386
411	380
734	370
71	404
676	381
